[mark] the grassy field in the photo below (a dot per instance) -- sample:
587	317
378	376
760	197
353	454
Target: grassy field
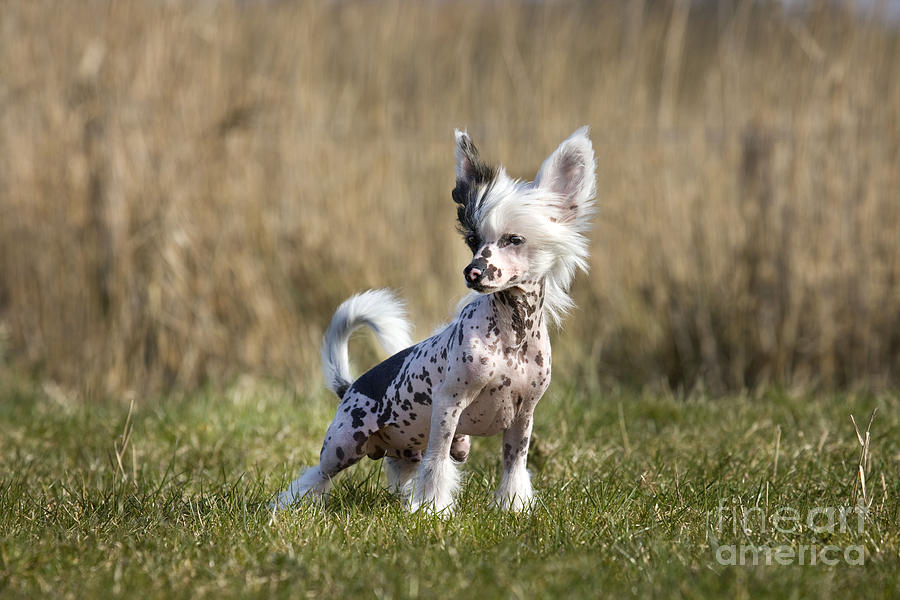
171	502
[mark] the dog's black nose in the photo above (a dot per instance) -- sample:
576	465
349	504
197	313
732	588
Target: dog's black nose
475	272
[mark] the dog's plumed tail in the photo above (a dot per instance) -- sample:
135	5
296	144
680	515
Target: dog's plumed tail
383	312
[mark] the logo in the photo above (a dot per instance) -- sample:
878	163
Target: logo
754	528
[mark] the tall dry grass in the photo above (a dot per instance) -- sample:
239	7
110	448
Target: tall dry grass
188	188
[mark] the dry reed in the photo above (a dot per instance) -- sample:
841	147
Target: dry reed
189	188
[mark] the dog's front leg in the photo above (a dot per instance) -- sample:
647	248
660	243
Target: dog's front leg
437	479
515	493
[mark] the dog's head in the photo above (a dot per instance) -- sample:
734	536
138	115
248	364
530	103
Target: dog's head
525	231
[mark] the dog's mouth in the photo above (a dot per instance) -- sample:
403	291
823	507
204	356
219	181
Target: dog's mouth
481	288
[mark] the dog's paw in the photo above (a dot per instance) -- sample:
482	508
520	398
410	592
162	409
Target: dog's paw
434	488
514	503
311	486
283	501
288	499
429	506
515	493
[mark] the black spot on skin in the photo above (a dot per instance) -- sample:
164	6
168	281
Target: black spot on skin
520	309
384	417
374	382
340	453
452	339
539	359
420	398
358	415
490	272
486	253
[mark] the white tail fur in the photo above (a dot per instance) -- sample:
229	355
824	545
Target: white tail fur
383	312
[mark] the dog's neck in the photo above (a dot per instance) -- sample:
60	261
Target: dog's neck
519	310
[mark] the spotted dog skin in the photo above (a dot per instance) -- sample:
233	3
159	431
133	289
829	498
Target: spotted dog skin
484	373
489	369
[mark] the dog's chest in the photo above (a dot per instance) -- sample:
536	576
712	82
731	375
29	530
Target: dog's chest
517	380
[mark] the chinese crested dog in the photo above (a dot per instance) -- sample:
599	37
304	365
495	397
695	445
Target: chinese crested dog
483	373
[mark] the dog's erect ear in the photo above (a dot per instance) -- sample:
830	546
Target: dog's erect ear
569	173
469	166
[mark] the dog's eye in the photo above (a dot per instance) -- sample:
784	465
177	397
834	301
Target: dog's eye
516	240
472	241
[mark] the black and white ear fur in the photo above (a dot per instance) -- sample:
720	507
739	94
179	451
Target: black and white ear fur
472	173
469	167
569	174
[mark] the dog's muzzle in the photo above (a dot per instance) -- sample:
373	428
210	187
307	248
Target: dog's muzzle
474	273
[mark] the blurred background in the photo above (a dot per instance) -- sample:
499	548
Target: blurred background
189	188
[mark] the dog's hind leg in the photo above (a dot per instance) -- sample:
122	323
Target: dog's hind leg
345	445
459	449
312	484
399	472
338	453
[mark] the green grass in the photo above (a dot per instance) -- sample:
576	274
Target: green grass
626	484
